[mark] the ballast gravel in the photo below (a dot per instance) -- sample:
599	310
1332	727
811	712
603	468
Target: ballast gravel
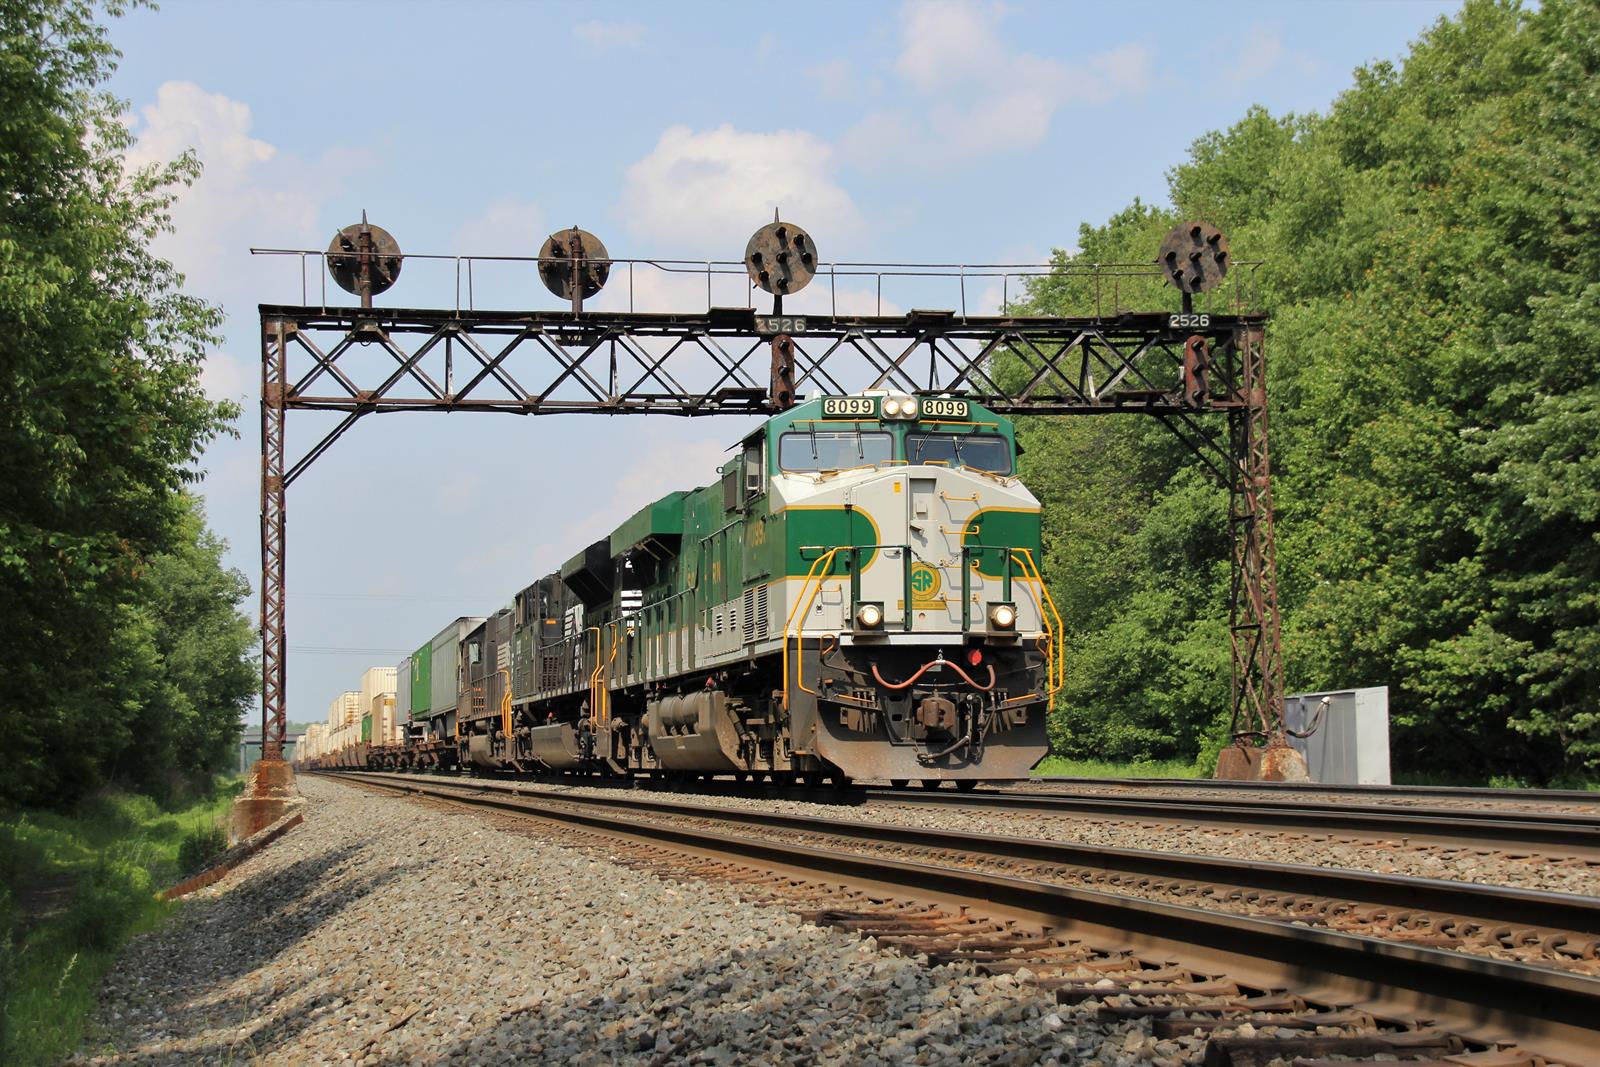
1528	870
388	931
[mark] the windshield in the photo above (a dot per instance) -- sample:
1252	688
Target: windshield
833	450
977	452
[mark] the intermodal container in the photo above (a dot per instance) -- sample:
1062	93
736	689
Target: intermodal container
446	655
402	694
375	682
421	682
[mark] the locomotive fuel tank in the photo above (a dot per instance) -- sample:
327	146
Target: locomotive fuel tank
695	732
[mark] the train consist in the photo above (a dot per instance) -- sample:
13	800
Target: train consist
857	596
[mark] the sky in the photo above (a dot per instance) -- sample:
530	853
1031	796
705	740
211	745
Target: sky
968	132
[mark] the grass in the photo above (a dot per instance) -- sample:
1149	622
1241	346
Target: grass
73	888
1079	768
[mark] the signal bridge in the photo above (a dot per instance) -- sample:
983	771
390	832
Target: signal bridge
598	354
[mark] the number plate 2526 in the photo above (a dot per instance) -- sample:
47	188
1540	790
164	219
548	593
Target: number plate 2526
770	325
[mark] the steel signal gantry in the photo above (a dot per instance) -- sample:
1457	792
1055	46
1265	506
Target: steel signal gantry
1175	367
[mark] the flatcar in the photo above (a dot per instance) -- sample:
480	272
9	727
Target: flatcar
856	596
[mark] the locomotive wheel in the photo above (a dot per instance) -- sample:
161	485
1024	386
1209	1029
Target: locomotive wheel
967	785
899	783
931	783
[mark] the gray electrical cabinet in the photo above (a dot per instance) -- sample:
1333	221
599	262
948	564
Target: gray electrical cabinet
1350	745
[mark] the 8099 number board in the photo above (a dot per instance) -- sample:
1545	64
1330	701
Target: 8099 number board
849	407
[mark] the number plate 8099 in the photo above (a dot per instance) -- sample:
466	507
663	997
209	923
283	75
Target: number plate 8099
850	407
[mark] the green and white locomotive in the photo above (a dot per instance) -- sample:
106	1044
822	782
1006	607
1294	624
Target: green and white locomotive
858	596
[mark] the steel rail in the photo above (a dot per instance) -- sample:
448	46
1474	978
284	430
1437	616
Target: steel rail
1518	830
1489	904
1456	792
1512	830
1485	999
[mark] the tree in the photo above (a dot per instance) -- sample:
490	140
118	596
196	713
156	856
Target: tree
1429	263
101	412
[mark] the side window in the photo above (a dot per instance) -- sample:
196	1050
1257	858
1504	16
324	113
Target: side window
755	467
730	488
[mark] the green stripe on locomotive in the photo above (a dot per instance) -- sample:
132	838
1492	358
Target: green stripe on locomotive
421	683
366	727
1014	529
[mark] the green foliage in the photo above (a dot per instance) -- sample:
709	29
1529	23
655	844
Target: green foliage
73	888
1430	267
102	551
109	899
1069	768
200	846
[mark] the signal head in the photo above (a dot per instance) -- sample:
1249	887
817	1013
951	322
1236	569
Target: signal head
781	258
1194	257
573	259
363	256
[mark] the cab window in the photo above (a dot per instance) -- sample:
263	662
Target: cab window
974	451
833	450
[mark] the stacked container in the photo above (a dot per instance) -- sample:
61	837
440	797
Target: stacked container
377	701
383	720
345	709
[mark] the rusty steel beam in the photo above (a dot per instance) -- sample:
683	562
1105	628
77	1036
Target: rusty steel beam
1253	623
274	537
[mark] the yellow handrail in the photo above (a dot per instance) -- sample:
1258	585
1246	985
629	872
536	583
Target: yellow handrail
1055	659
505	706
594	677
823	561
605	681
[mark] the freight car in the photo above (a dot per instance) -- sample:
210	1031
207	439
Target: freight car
857	596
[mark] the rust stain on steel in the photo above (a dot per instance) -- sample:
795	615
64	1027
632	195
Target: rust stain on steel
782	391
364	259
574	265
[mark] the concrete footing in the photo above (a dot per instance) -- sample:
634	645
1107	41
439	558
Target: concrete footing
1273	762
270	795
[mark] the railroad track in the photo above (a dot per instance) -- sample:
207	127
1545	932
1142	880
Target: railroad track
1557	834
1569	834
1187	964
1574	798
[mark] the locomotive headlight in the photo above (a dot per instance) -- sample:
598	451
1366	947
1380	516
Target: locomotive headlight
908	407
891	408
1002	616
869	616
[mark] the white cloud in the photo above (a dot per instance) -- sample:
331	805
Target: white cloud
948	42
1261	52
885	139
600	34
506	228
980	95
705	192
248	193
835	79
1123	69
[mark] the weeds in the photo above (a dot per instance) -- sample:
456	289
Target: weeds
1077	768
200	846
73	888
